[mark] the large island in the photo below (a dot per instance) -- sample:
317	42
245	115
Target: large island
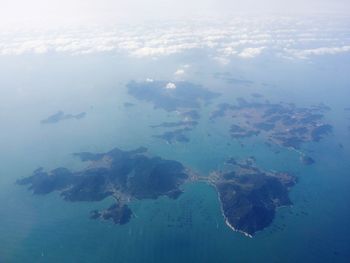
124	175
250	196
280	123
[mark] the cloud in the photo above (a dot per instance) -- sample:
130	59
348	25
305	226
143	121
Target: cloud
222	60
223	40
229	50
163	49
251	52
179	72
170	86
306	53
182	70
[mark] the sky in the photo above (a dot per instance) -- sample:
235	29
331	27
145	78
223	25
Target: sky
53	13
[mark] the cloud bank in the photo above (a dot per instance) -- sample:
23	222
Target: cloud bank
224	40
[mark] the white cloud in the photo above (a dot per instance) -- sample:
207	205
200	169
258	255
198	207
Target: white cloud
306	53
222	60
170	85
251	52
182	70
149	80
224	41
227	51
179	72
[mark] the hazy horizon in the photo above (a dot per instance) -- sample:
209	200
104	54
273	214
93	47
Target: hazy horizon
54	13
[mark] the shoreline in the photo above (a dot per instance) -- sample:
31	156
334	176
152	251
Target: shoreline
226	219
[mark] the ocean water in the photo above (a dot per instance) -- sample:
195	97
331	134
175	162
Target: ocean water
191	228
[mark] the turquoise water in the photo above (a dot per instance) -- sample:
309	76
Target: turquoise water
190	229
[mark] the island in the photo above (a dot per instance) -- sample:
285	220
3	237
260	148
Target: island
60	116
123	175
171	96
177	135
280	123
183	98
250	196
307	160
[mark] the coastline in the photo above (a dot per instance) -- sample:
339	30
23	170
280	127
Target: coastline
226	219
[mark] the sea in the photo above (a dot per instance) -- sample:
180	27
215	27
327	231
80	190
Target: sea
45	228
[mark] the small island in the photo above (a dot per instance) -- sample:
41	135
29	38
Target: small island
60	116
123	175
171	96
307	160
177	135
182	97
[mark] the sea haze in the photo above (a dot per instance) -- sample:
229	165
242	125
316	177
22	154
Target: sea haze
84	93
